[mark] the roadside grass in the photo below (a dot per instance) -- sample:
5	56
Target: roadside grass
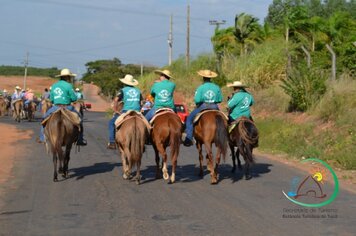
335	145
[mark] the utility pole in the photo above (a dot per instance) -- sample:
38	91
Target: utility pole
170	41
188	32
25	76
217	23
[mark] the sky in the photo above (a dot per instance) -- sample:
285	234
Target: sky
70	33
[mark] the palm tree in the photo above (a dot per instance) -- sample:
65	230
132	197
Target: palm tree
247	31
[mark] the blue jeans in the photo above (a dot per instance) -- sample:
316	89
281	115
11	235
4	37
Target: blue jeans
55	108
112	126
149	115
189	122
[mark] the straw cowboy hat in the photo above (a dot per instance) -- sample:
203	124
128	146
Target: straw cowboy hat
207	73
77	89
5	91
129	80
164	72
66	72
18	87
237	84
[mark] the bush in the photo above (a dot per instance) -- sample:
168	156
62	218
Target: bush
305	87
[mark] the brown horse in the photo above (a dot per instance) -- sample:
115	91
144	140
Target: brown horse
18	106
45	105
211	128
166	131
2	106
130	138
30	110
61	131
244	136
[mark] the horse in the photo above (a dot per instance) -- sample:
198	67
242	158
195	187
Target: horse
18	108
2	106
30	110
244	136
166	131
130	138
45	105
61	130
211	128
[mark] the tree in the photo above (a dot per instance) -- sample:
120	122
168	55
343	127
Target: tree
247	31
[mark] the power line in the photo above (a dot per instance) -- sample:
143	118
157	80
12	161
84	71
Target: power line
113	9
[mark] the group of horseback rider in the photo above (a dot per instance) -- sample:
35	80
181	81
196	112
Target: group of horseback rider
26	96
207	96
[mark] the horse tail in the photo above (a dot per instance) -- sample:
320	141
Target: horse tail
135	141
175	137
221	137
249	136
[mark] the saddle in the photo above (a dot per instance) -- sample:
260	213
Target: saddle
237	121
197	117
159	112
129	115
72	116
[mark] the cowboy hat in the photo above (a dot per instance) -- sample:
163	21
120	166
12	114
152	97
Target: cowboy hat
164	72
5	91
66	72
18	87
77	89
237	84
129	80
207	73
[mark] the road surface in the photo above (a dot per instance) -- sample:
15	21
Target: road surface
95	200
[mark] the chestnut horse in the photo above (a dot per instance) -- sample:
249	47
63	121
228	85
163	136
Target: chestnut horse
211	128
30	111
131	136
45	105
2	106
18	106
244	136
60	131
166	131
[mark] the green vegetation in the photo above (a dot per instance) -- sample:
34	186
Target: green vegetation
31	71
106	74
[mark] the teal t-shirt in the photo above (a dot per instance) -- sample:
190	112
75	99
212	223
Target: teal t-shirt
208	93
131	98
62	93
240	104
163	93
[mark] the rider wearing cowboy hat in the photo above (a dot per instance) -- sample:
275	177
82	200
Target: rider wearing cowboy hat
62	93
78	94
207	96
162	92
131	98
240	102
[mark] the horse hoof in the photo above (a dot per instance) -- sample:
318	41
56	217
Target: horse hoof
124	176
165	176
55	180
248	177
214	181
138	182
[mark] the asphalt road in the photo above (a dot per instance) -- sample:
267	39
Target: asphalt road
95	200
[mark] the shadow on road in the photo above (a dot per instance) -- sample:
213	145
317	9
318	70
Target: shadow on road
256	170
97	168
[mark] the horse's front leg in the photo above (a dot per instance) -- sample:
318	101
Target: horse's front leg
55	175
200	151
233	157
